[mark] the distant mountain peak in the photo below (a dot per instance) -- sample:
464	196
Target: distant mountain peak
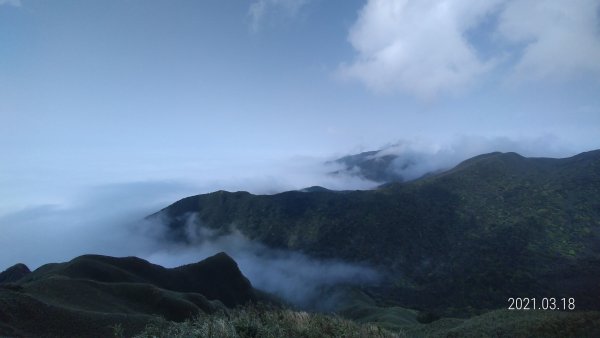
372	165
314	188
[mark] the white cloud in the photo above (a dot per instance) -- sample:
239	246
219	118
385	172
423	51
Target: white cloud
417	46
15	3
424	47
562	38
261	9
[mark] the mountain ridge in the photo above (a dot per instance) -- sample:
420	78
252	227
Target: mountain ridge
498	220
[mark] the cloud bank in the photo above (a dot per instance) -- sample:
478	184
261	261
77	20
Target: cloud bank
428	47
109	220
99	220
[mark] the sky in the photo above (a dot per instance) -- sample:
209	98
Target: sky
178	97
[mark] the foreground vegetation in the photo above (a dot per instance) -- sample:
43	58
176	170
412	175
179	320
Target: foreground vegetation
507	323
256	322
260	322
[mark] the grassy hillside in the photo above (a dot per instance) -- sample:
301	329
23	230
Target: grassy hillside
498	225
253	322
505	323
217	277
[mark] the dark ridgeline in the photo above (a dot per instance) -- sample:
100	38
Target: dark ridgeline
14	273
457	242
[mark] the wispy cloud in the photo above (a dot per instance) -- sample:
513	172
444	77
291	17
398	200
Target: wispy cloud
425	48
296	277
15	3
261	10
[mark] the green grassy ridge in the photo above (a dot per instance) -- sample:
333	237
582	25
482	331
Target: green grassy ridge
354	304
89	294
216	277
23	315
496	226
60	306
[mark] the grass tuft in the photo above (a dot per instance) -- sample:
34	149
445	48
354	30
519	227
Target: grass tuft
250	322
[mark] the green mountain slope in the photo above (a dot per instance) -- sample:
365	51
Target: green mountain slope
496	226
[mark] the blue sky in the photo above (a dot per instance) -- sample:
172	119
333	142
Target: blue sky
109	92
